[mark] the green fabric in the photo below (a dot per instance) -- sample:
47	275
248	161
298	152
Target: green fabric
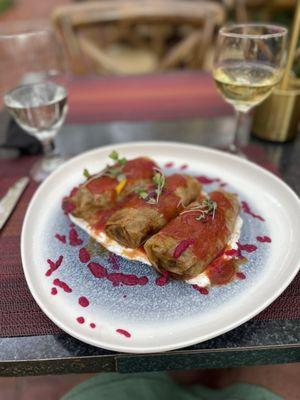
158	386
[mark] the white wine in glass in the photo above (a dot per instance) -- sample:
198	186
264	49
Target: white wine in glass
249	62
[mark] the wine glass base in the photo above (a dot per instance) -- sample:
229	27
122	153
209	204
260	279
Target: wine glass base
43	168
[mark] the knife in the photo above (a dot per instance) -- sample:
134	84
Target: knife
10	199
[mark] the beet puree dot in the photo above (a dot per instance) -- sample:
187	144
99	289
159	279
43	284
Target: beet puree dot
54	291
80	320
83	301
263	239
183	167
169	165
61	238
84	255
240	275
200	289
123	332
92	325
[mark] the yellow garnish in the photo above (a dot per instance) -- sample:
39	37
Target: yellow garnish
120	186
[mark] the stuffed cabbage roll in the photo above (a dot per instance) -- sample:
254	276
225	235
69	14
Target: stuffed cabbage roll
146	212
191	241
109	187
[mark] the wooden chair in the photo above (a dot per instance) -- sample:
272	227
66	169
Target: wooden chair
137	36
245	9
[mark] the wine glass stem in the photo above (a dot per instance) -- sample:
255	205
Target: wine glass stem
240	132
48	148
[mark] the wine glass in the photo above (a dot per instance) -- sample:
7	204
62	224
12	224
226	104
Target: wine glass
249	62
33	83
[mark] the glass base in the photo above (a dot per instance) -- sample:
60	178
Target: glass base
43	168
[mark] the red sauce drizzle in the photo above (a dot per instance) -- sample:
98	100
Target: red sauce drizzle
200	289
67	206
205	180
221	272
264	239
54	291
61	238
74	239
169	165
80	320
116	278
249	248
74	191
163	279
53	265
83	301
123	332
181	247
84	255
246	208
113	260
240	275
97	270
92	325
62	285
183	167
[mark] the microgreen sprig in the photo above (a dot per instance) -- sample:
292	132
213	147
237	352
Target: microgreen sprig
86	173
205	208
115	171
159	181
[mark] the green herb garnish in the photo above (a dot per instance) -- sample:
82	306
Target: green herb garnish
159	181
115	171
205	208
86	173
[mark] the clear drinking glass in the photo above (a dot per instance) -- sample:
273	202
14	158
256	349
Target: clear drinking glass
33	84
249	61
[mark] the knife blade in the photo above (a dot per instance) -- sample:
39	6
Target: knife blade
10	199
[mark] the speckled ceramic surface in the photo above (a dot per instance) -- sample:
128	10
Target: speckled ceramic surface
148	317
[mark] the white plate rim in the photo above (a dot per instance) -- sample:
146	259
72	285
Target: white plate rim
126	348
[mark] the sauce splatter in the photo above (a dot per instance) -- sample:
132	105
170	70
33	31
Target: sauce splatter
124	296
181	247
61	238
74	239
264	239
116	278
249	248
163	279
113	260
80	320
97	270
92	325
169	165
246	208
67	206
53	265
123	332
74	191
240	275
223	184
84	255
62	285
54	291
200	289
83	301
183	167
205	180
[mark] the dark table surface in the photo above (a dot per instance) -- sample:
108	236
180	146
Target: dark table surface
255	342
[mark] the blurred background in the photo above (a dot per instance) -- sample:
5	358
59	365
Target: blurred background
139	36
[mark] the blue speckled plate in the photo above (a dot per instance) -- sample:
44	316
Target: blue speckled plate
152	318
